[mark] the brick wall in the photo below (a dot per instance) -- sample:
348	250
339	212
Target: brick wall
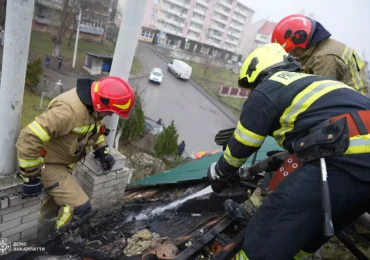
103	188
18	217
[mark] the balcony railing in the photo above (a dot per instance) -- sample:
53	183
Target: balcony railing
195	20
167	9
195	29
221	11
179	3
215	27
47	21
239	19
192	37
92	30
239	11
236	27
198	11
172	22
53	4
168	30
204	3
224	3
218	19
215	36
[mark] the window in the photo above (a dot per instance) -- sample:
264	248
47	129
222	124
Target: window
146	34
168	16
187	2
154	11
171	7
151	21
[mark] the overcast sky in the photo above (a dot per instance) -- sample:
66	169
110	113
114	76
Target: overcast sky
348	21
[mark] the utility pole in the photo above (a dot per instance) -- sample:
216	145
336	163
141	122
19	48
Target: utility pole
132	19
18	24
77	36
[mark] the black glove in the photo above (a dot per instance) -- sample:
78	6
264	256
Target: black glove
107	160
271	153
31	187
223	136
218	182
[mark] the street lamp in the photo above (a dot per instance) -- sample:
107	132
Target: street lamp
77	36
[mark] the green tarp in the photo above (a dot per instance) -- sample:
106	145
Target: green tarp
197	169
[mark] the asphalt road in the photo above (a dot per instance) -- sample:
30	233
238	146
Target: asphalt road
196	118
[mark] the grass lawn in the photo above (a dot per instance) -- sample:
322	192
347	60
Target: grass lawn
30	109
214	79
41	45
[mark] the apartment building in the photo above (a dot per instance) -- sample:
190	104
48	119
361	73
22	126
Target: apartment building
47	15
257	34
214	27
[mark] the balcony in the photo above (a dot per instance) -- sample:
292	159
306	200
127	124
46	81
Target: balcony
44	20
168	30
215	36
212	43
172	22
236	27
239	19
92	30
199	11
53	4
218	19
241	12
195	29
224	3
195	20
201	2
215	27
179	3
193	38
221	11
237	35
166	8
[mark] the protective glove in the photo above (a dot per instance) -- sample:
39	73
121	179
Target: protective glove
107	160
223	136
31	187
244	174
218	182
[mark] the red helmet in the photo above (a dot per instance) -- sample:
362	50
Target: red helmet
293	31
112	94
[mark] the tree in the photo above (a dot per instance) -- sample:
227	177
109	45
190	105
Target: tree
67	19
133	128
33	73
166	142
112	33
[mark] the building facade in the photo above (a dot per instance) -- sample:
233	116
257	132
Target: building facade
257	34
47	14
212	27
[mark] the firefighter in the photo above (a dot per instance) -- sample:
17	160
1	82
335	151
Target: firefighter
69	128
311	117
308	41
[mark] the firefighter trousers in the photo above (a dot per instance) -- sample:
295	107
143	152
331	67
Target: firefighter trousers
291	218
61	192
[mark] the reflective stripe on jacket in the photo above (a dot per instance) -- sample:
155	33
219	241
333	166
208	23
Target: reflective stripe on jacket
286	105
337	60
66	130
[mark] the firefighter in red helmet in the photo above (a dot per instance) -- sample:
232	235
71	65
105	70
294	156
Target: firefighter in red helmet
308	41
69	128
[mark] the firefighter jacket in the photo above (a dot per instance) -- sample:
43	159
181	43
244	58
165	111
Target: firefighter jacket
336	60
66	130
286	106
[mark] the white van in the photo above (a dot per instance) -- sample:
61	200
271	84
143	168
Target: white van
180	69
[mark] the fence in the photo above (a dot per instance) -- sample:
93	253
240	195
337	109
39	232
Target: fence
226	91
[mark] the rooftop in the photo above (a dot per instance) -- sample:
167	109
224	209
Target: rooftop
267	28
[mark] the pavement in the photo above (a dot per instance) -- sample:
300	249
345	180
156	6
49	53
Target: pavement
196	118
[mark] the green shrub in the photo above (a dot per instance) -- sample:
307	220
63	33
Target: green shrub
133	128
166	142
34	72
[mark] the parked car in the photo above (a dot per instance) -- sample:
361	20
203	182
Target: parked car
151	125
180	69
156	76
